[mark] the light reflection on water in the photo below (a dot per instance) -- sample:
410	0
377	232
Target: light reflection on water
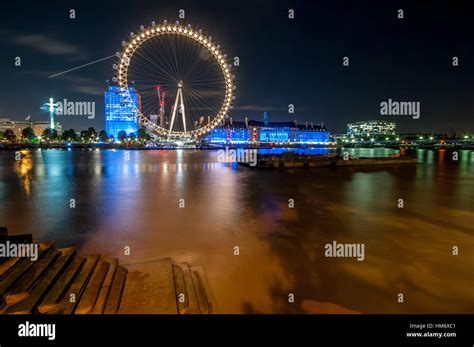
135	203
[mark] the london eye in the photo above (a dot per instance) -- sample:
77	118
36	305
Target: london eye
182	77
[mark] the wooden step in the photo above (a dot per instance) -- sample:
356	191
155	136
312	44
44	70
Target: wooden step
116	291
193	304
150	288
66	306
60	286
180	288
211	301
28	305
8	266
17	273
93	288
99	305
32	275
200	291
21	289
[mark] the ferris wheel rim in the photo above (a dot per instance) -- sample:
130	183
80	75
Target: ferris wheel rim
147	33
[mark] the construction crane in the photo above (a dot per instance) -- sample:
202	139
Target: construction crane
161	103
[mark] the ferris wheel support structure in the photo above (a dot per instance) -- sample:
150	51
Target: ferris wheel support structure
179	99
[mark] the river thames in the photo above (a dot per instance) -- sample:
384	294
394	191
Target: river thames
132	198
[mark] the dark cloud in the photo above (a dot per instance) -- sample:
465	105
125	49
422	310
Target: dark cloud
41	43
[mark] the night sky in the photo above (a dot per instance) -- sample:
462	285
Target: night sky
282	61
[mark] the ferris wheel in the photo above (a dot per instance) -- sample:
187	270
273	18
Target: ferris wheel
175	63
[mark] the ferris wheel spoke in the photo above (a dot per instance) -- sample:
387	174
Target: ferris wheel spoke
162	68
201	103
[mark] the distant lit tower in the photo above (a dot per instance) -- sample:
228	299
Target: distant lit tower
50	107
265	118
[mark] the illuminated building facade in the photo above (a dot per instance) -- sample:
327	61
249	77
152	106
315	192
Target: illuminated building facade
268	132
120	112
371	128
18	126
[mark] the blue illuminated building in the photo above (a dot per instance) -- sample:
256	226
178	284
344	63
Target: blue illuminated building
278	134
281	133
120	111
229	135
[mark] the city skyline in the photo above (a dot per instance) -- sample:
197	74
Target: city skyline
287	61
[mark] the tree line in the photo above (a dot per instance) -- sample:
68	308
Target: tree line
85	136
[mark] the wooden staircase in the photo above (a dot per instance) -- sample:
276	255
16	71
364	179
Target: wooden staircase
164	287
61	281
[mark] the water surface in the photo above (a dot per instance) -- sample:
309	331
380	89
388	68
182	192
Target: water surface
136	203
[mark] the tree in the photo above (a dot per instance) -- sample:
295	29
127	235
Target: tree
69	135
142	134
50	134
9	135
103	136
85	136
28	133
92	133
122	135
